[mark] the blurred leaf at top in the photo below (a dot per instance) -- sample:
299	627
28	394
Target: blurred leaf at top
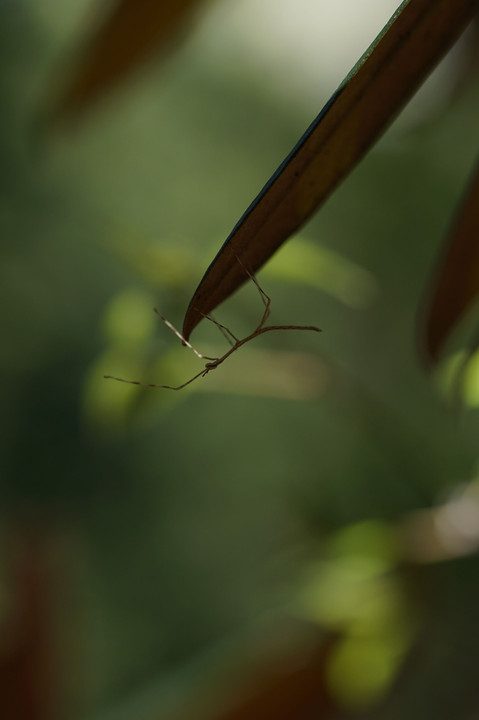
418	35
456	284
132	32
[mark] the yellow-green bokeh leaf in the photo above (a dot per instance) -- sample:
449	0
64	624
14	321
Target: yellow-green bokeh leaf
322	268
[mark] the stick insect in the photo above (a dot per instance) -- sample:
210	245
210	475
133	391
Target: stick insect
235	342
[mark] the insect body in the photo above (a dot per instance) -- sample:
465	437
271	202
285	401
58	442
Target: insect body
236	343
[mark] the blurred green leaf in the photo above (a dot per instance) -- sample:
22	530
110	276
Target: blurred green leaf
129	318
356	590
312	264
388	74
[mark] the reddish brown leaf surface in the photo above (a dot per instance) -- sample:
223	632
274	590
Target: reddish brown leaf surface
27	673
132	32
456	283
297	694
289	683
413	42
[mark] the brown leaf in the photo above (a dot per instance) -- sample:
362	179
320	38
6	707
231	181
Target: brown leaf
294	694
456	282
284	677
389	73
27	675
132	32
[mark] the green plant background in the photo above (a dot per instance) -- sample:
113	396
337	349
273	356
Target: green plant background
184	519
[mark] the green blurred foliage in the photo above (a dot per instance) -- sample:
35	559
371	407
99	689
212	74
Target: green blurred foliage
186	517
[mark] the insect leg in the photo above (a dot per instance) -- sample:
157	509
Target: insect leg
180	336
203	372
225	331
